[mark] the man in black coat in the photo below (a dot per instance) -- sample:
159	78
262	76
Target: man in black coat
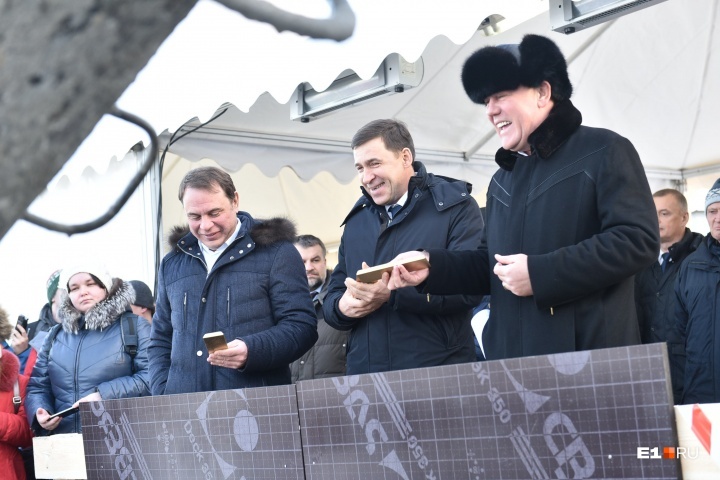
570	217
327	357
655	286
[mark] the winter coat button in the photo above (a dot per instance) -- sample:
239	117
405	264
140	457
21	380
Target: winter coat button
203	300
463	194
441	204
199	353
241	251
302	362
232	258
249	245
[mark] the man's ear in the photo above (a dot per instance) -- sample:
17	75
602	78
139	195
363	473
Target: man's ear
685	218
407	157
544	93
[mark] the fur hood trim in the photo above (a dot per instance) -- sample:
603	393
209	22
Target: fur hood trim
101	315
263	232
175	234
9	371
273	230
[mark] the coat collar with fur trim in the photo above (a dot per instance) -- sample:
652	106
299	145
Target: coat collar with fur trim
562	121
263	232
101	315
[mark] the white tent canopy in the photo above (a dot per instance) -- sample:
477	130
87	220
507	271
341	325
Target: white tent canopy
652	76
648	76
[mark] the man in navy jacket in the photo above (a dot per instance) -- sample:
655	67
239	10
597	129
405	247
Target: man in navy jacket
403	329
234	274
698	311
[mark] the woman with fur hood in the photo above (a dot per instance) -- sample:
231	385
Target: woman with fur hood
14	430
83	359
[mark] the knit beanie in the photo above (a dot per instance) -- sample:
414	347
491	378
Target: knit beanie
52	285
713	196
96	269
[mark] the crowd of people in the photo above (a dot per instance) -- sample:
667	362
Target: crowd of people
570	254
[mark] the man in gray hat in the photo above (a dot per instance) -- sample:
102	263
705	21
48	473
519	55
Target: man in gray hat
570	217
698	311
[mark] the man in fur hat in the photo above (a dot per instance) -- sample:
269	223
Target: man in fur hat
234	274
570	217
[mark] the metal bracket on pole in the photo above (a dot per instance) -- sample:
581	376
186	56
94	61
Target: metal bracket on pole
127	193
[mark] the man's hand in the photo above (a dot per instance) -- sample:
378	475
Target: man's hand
19	340
233	357
512	270
402	278
43	418
361	299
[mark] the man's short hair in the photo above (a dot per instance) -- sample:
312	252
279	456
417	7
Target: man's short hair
395	135
679	197
307	241
207	178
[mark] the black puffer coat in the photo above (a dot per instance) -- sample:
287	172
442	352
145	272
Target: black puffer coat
86	356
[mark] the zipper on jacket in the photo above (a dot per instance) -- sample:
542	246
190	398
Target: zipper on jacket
184	311
75	378
228	305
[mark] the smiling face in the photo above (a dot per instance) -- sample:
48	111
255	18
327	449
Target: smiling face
85	292
211	215
516	114
383	173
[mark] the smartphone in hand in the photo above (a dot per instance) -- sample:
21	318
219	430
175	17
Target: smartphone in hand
65	413
22	321
215	341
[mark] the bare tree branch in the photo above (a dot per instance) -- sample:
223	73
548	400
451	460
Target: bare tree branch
339	26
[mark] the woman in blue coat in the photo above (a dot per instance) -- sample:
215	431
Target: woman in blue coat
84	358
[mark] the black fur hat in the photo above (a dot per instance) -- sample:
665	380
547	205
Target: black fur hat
507	67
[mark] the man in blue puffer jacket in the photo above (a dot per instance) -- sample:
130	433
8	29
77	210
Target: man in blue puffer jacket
234	274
